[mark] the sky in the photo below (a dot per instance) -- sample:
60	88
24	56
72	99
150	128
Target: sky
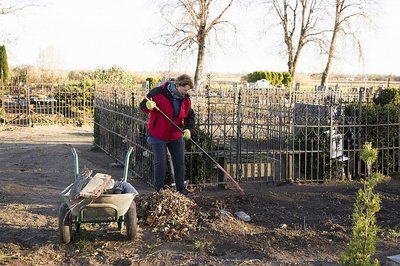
90	34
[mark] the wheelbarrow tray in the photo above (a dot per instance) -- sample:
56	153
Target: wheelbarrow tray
106	207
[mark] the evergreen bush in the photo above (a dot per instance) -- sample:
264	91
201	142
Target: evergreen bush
275	78
198	167
382	132
3	64
387	96
364	234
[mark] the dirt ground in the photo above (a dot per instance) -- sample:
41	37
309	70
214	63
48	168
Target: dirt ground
290	224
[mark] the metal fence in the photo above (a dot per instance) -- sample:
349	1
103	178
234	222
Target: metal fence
43	104
269	136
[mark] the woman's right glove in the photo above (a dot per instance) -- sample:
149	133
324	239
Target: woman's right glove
150	105
186	134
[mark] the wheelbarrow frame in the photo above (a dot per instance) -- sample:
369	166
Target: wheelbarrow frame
120	208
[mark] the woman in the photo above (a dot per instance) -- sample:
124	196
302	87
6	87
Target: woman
173	100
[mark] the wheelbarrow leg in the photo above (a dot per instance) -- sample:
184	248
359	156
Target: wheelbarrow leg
131	222
120	223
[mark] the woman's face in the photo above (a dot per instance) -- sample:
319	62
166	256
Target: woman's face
183	90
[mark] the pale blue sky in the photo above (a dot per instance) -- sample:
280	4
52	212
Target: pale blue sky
88	34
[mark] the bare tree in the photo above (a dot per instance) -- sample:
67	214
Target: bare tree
12	7
299	21
8	7
347	13
49	62
49	59
190	26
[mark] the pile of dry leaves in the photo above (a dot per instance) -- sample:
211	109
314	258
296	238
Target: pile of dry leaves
172	214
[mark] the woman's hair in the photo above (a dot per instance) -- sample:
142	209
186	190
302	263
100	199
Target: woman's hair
184	80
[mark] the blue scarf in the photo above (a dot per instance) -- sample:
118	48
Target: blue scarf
172	89
177	98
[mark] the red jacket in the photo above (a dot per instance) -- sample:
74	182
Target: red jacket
158	126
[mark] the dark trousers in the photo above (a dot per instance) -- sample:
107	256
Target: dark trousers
177	151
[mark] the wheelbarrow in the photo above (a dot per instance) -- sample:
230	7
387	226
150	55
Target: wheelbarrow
106	208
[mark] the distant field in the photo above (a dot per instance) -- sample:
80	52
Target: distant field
306	82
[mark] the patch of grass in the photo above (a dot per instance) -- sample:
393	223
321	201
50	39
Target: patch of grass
204	246
5	258
84	246
394	233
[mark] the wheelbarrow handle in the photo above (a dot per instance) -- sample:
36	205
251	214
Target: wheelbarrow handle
76	161
126	164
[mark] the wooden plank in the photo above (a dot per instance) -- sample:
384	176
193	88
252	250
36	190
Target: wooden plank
96	186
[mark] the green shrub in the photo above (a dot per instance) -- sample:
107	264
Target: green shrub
4	71
75	99
257	75
287	79
275	78
114	76
313	156
382	130
387	96
198	167
19	75
364	234
151	82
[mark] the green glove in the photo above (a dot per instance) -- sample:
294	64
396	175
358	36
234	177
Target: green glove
150	105
186	134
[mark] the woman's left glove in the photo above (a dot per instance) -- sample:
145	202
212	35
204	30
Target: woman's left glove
186	134
150	105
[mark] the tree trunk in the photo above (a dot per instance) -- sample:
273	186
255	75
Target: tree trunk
198	75
290	64
292	70
332	45
332	49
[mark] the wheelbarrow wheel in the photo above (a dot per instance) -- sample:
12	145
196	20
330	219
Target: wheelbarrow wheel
65	223
131	222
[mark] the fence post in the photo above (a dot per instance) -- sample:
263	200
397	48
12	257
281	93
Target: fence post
84	103
398	148
208	103
220	174
208	109
3	111
28	107
114	148
51	98
239	137
330	134
132	106
360	97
